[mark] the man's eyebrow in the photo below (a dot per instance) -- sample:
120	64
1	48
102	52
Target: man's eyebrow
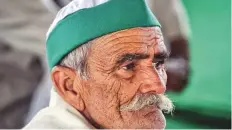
161	55
132	56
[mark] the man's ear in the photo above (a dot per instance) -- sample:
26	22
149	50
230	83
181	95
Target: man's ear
63	79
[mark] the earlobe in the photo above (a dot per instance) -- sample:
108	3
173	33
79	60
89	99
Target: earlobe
80	104
64	81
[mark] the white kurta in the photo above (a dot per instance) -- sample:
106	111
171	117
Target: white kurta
59	115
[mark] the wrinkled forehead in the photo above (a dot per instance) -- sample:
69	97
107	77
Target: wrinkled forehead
134	39
140	32
109	48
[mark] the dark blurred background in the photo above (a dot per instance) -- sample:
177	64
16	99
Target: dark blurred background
205	102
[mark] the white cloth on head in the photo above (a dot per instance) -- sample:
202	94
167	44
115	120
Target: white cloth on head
72	7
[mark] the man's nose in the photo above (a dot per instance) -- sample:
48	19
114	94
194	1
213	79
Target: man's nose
152	83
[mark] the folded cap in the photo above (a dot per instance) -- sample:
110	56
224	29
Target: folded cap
84	20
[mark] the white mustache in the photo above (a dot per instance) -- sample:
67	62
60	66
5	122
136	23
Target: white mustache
142	100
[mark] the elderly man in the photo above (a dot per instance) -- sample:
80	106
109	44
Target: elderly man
107	67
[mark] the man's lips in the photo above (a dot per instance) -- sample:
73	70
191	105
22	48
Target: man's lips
151	110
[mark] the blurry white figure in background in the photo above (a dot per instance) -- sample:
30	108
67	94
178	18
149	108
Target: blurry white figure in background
55	5
23	24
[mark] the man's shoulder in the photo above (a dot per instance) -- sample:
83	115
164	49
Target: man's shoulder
58	118
45	118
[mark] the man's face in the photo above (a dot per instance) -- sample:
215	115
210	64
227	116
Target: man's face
127	80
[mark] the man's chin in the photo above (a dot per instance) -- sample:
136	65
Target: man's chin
155	117
146	118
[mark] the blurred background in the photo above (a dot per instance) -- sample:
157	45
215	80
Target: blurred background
202	101
206	101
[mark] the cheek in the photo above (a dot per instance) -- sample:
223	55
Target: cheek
128	91
104	92
123	74
130	86
102	102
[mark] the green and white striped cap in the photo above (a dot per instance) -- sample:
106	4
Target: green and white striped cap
84	20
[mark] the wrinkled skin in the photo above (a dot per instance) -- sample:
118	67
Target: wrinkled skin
114	81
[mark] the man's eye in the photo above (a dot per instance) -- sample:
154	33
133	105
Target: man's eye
158	65
129	66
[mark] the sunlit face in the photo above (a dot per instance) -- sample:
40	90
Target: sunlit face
127	80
